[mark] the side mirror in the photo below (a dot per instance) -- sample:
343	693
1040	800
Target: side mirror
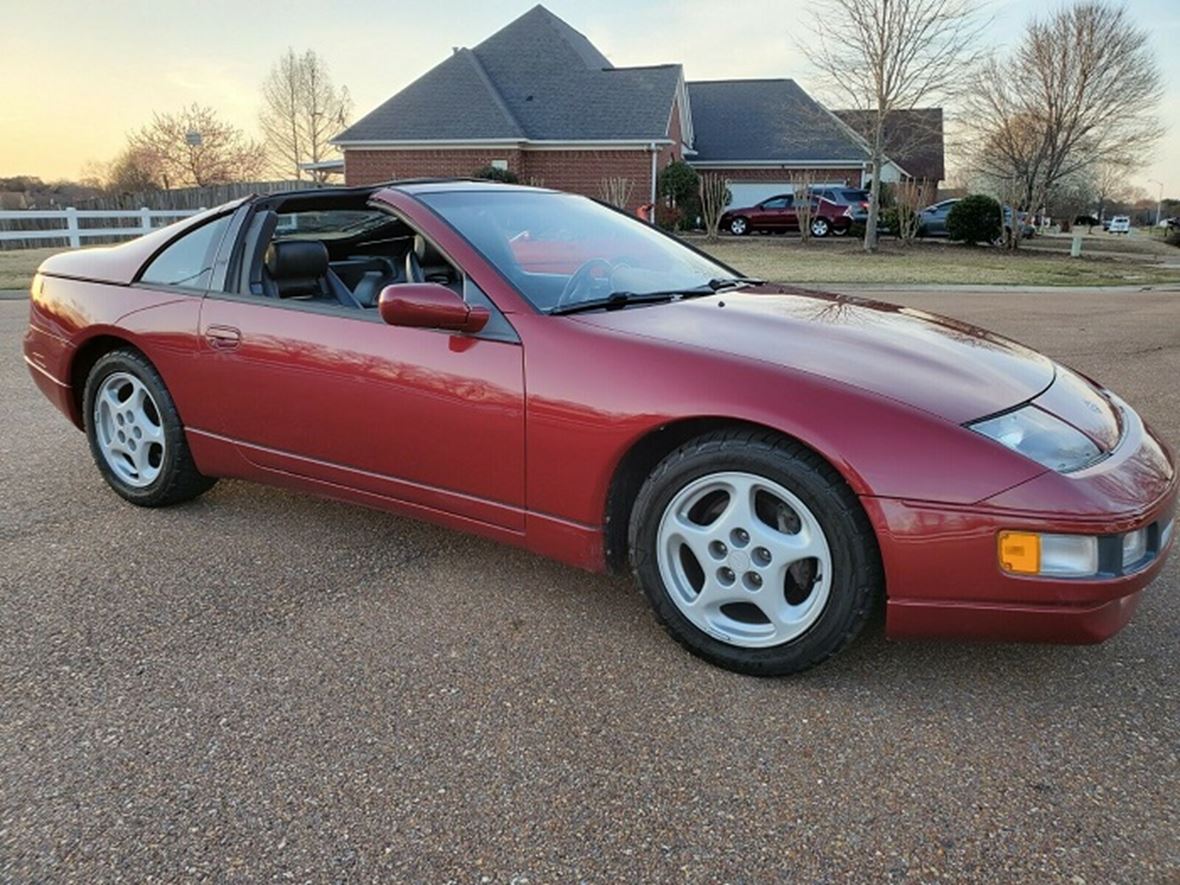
429	306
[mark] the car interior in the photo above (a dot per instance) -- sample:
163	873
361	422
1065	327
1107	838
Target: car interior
334	249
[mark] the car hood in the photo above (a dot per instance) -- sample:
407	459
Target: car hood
951	369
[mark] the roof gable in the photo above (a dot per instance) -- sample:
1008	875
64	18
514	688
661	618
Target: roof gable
450	101
535	79
913	139
766	121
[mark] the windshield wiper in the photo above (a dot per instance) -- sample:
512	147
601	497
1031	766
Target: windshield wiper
619	300
730	282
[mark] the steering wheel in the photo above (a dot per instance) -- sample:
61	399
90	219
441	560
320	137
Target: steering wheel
581	277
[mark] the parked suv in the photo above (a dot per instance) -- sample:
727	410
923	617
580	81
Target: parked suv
1120	224
780	214
852	199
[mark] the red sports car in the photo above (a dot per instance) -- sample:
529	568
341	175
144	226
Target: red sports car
540	369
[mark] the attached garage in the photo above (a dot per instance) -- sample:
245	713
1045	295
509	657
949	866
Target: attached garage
747	193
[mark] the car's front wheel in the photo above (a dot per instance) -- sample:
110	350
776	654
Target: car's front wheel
753	552
739	226
135	433
820	227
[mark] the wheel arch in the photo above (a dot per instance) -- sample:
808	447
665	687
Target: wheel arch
83	360
638	461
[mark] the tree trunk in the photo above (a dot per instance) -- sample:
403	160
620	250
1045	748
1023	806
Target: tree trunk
878	151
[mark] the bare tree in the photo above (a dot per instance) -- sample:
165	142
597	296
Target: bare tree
877	57
616	191
803	202
195	148
133	171
714	193
908	198
1079	91
1110	185
301	110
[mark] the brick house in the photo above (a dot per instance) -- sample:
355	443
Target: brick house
539	99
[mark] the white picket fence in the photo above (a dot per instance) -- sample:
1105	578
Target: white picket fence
74	232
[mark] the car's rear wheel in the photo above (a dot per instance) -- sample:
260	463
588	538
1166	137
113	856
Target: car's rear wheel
841	230
739	226
753	553
135	433
820	227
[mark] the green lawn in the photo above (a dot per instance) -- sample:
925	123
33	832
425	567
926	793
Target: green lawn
18	266
787	260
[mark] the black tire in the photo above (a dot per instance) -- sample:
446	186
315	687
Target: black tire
857	579
739	226
178	480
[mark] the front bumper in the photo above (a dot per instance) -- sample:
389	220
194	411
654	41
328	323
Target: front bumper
942	570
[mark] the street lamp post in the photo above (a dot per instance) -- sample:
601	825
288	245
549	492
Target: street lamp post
1159	202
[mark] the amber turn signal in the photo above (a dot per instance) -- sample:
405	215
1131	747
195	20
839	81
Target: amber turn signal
1020	552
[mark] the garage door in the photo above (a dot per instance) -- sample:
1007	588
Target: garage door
747	193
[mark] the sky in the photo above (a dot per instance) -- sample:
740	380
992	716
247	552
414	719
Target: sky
94	71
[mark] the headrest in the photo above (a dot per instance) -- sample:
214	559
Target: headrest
296	259
419	246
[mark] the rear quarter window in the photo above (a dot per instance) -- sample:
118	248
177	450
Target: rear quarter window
188	261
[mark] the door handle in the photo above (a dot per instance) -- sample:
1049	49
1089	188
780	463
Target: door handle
223	337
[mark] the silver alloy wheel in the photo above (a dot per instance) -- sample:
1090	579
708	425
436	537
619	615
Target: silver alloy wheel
129	430
738	226
744	560
819	227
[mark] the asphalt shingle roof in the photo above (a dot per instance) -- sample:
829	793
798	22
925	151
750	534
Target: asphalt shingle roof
538	79
764	121
913	139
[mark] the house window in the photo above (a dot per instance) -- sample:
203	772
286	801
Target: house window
500	164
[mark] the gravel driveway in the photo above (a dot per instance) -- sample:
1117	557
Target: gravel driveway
262	685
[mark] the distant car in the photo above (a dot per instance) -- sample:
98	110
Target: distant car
1120	224
1027	229
932	219
854	200
780	214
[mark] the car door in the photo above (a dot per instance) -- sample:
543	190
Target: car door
332	394
776	213
938	221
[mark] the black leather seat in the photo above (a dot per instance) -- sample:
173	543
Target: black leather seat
299	269
379	274
414	256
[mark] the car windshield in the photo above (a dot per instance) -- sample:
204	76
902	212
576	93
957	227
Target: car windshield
561	250
855	196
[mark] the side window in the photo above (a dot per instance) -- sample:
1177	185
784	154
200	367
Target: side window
188	262
776	203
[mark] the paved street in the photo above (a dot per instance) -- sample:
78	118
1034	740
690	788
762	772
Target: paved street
263	685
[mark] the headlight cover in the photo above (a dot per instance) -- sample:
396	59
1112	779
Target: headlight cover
1036	434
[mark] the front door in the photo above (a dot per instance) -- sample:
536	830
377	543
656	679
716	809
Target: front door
336	395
